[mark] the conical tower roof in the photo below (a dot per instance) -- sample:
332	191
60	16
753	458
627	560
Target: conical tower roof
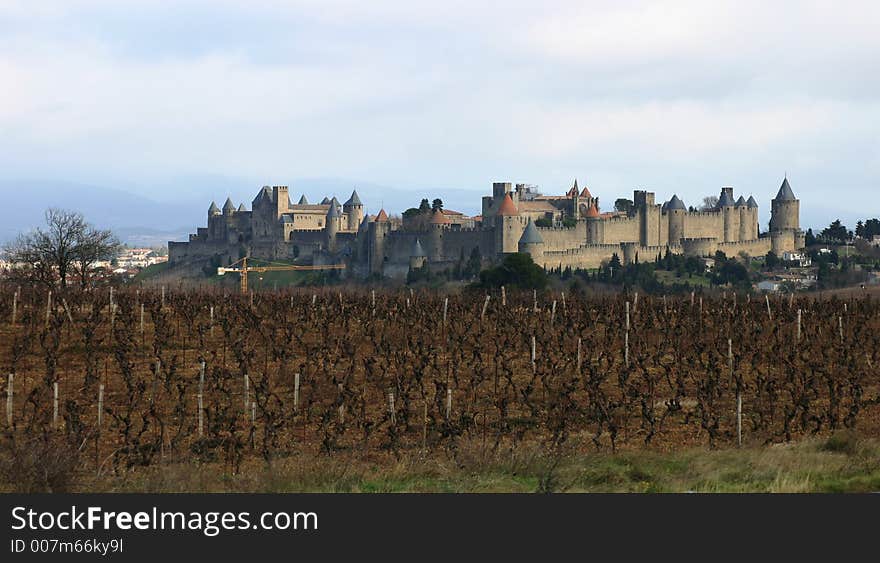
418	251
325	201
725	200
213	210
531	235
592	212
741	202
676	203
507	208
264	193
354	199
751	203
228	207
785	193
241	208
382	217
303	200
334	209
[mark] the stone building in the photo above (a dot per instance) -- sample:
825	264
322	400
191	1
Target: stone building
573	232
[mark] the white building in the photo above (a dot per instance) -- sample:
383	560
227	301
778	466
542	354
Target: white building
803	260
769	286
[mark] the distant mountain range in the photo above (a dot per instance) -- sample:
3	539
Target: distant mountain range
144	221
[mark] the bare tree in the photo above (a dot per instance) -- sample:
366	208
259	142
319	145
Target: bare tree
67	246
709	203
94	245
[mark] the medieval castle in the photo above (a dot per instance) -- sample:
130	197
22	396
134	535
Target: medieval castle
557	231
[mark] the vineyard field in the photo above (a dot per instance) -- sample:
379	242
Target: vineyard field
115	383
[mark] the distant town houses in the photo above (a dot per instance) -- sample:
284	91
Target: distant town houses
802	259
128	260
139	258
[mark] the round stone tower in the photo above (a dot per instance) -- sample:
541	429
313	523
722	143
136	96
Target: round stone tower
752	215
727	205
676	211
437	229
532	244
704	246
785	209
595	230
742	213
354	210
333	220
377	230
417	257
630	252
507	227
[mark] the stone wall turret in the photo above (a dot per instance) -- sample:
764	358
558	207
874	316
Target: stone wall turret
417	257
354	211
377	232
531	243
699	246
334	222
729	216
785	209
508	227
676	211
630	252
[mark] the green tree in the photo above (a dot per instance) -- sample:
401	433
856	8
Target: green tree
437	205
517	270
624	205
836	232
474	264
809	238
424	206
614	263
871	228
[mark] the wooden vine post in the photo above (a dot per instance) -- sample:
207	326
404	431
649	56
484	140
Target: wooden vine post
55	405
9	394
202	399
738	393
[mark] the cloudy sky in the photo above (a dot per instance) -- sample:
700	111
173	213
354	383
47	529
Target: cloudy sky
156	97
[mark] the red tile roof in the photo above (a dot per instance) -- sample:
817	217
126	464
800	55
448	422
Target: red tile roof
507	208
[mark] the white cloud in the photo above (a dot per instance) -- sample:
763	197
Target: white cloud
455	92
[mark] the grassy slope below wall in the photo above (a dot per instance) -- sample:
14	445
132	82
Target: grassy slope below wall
841	463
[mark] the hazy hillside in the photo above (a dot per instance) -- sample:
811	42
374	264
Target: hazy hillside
128	214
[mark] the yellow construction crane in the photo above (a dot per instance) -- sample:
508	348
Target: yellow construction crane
244	269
